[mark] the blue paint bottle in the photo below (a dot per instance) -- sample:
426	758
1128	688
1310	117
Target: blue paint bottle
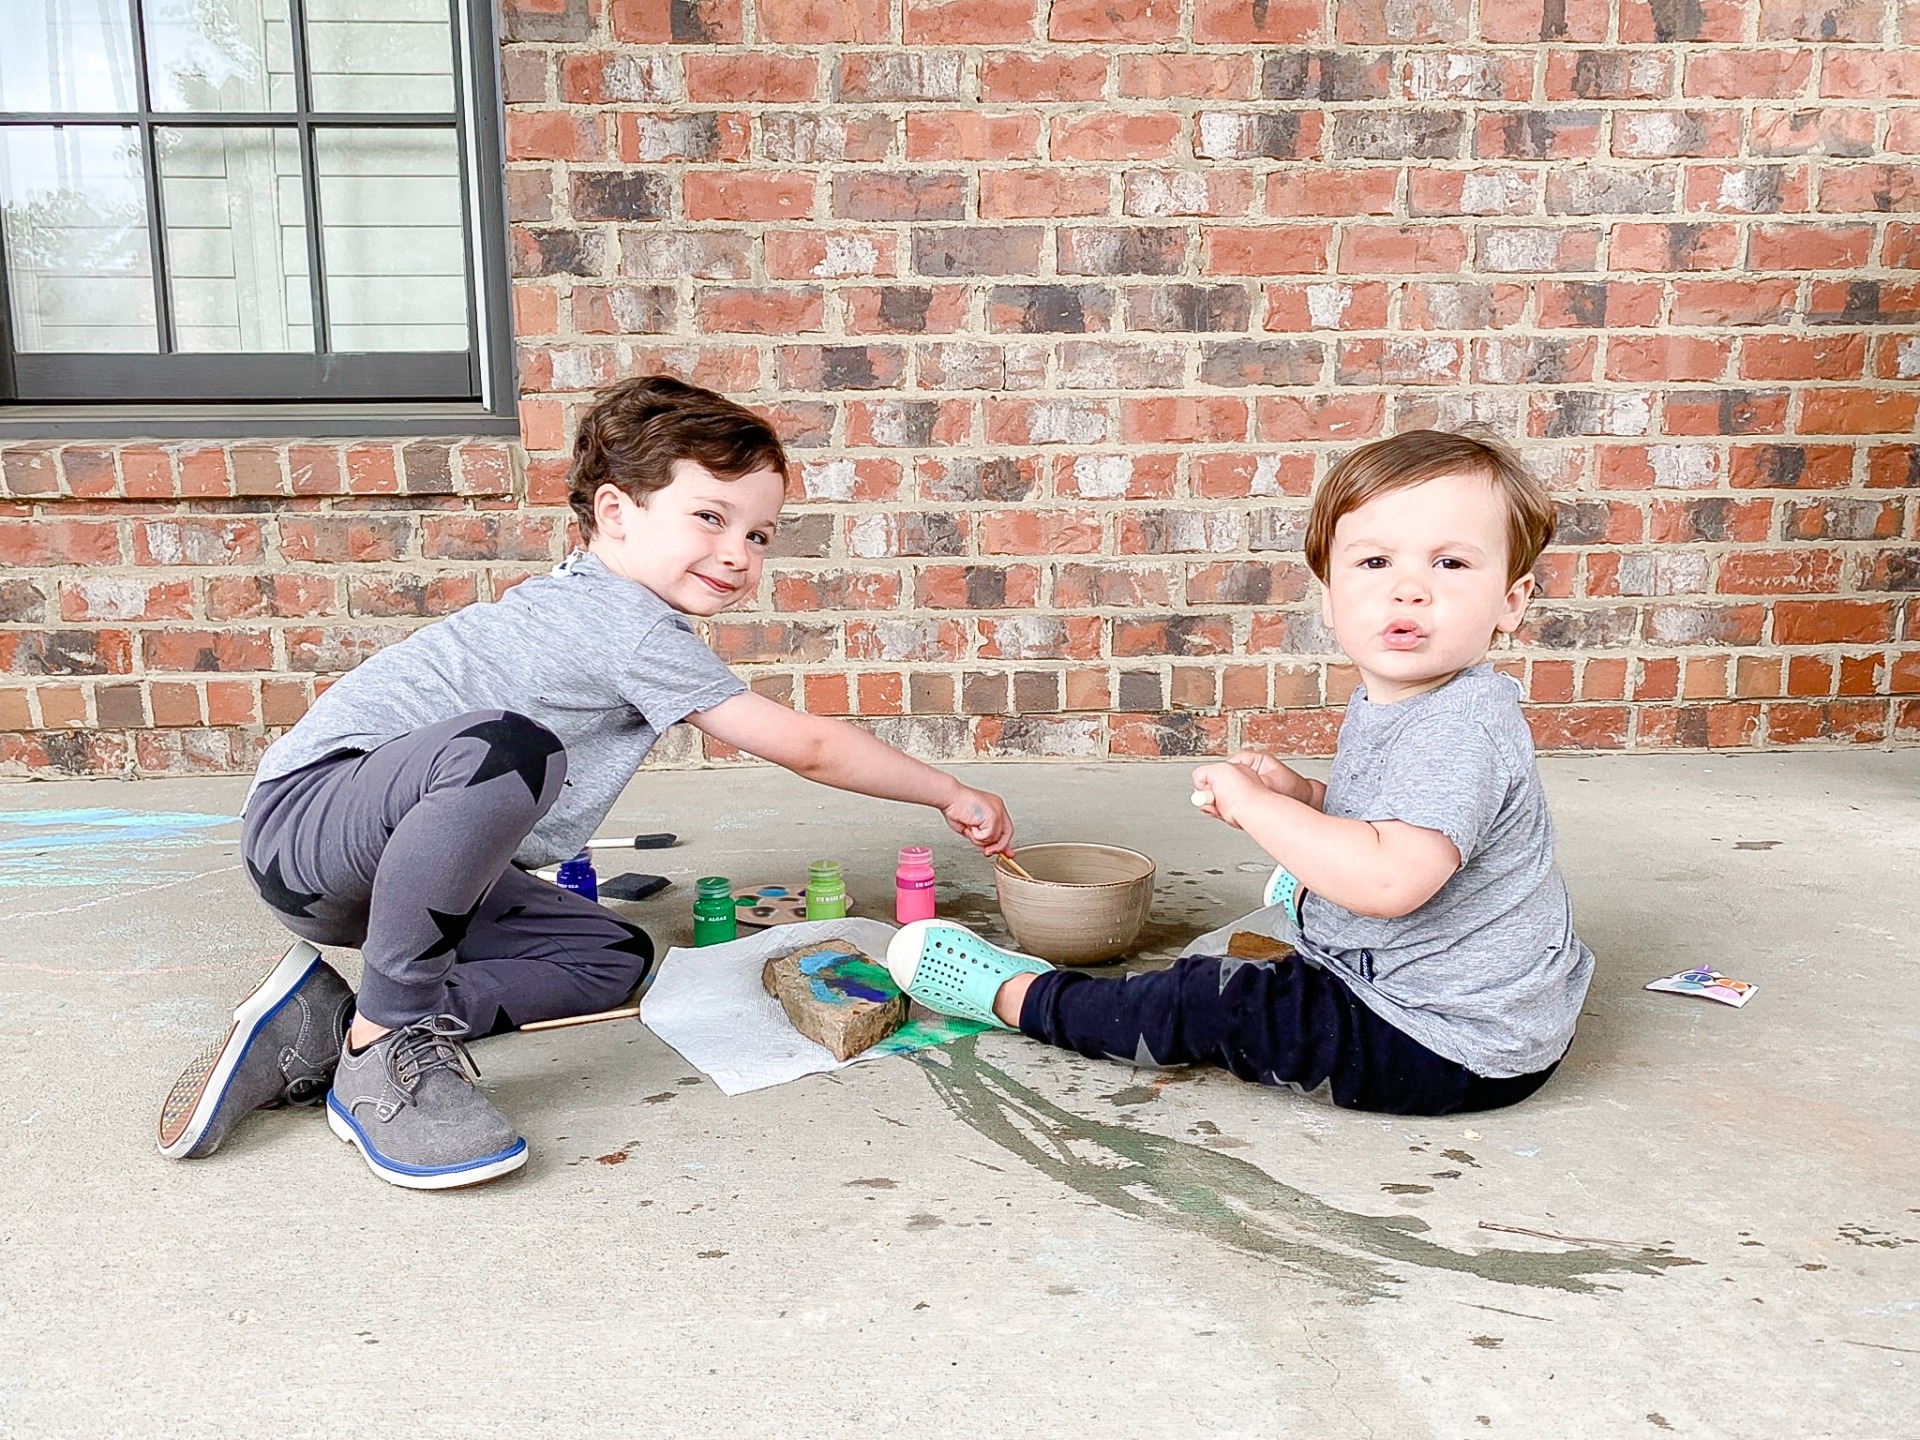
577	875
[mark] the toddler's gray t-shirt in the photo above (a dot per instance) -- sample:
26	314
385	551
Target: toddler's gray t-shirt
602	662
1488	972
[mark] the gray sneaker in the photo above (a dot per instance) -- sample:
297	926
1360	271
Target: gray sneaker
279	1050
408	1103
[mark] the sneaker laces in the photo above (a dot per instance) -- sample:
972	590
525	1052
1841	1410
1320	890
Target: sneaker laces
428	1045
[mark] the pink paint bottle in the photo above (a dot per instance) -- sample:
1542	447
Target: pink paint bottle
913	885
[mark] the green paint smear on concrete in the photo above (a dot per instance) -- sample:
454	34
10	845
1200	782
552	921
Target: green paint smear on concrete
1203	1192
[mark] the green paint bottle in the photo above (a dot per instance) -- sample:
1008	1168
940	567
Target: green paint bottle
713	912
826	891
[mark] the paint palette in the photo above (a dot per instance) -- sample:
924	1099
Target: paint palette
762	905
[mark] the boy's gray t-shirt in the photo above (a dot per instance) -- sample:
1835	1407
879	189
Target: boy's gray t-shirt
602	662
1488	972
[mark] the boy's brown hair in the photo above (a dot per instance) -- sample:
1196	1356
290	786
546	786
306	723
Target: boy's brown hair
1416	456
638	428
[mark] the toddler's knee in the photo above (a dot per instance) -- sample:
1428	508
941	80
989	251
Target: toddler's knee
624	964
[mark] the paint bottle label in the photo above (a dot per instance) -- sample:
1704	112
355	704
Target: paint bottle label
913	885
714	921
826	891
577	875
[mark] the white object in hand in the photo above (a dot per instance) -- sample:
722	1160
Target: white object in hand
1202	798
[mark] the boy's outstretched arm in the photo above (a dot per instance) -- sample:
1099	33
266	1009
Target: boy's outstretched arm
848	758
1385	868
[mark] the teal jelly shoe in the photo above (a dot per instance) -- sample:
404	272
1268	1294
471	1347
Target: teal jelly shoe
1283	889
946	967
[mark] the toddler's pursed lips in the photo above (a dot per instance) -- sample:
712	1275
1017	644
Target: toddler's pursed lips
1402	635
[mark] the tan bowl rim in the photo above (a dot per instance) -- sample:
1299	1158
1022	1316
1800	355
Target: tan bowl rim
1019	850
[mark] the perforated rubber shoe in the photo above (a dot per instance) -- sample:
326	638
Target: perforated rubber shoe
280	1050
946	967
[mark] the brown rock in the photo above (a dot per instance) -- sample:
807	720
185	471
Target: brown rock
836	995
1248	945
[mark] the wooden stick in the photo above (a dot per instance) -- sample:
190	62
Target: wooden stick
1015	866
626	1012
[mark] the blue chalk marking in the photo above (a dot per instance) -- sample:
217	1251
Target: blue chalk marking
95	846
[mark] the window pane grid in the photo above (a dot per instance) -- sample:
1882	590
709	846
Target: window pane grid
243	256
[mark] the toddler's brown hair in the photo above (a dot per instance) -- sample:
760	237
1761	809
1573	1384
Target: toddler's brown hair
1416	456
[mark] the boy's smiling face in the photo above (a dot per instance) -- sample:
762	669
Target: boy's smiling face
699	542
1417	584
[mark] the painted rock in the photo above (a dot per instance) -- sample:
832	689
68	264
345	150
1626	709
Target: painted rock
836	995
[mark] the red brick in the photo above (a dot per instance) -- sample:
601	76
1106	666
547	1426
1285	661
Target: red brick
1313	192
970	135
749	78
827	255
1832	622
1020	194
1592	74
1667	357
1834	355
925	195
1115	135
723	195
1882	74
1746	301
1851	189
552	135
769	311
1750	74
1403	249
1857	722
1186	77
59	542
1277	22
1809	247
1811	131
823	22
1800	467
969	22
1122	22
1725	412
1695	246
1040	78
1803	571
1857	412
1183	419
226	651
1266	250
1285	420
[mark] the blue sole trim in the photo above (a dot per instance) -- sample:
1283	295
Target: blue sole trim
421	1172
209	1105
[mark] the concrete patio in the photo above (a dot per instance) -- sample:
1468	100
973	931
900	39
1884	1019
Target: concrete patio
1708	1224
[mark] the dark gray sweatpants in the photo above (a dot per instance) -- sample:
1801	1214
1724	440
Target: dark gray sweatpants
404	852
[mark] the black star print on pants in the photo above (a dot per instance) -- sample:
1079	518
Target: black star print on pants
515	746
453	929
273	888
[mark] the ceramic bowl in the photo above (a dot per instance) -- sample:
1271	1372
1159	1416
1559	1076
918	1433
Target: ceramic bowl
1085	903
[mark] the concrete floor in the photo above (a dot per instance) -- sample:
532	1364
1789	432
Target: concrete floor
1707	1224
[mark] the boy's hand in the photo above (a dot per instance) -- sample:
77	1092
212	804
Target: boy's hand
1280	778
981	816
1228	786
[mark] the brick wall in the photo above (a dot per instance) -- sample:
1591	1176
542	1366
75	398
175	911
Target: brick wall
1063	308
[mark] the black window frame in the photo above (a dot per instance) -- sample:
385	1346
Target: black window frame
216	395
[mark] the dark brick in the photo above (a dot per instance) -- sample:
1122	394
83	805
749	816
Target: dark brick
978	250
968	478
558	252
120	707
1678	19
1398	134
22	603
1141	690
429	468
1117	250
571	20
1049	309
1580	522
904	309
620	195
1262	362
61	652
1326	75
1189	308
1609	628
804	537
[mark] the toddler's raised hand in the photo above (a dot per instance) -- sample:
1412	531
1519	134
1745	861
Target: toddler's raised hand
1221	788
981	816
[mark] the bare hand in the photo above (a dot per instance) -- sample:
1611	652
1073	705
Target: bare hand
1280	778
981	816
1228	785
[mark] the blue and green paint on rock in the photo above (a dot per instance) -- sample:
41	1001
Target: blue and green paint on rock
840	977
100	845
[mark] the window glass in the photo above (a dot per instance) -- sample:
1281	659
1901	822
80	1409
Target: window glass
73	215
381	55
236	240
390	230
64	57
219	54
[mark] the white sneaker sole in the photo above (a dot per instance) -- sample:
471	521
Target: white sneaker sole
213	1069
414	1178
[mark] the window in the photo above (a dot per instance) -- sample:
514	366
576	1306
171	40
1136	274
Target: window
250	201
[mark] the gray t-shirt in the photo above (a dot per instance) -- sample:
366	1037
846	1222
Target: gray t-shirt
1488	972
604	663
